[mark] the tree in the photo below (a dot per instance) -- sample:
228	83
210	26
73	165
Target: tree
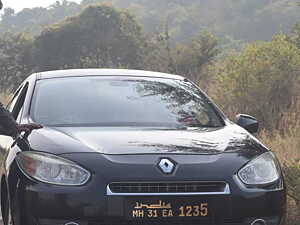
35	19
295	34
245	20
100	36
192	58
15	59
262	80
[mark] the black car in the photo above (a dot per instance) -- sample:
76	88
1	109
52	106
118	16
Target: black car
134	147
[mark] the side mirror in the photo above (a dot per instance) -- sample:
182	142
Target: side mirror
249	123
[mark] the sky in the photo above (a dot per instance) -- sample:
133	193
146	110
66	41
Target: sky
18	5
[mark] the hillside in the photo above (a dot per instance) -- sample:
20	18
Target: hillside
237	19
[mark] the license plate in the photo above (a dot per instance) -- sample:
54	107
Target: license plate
167	208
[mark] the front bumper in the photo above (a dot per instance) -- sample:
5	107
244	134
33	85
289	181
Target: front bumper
91	204
47	207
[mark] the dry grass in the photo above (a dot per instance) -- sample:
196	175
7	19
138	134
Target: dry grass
286	145
4	98
293	214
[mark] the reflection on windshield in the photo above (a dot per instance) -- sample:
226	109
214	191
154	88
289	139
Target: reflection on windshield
100	101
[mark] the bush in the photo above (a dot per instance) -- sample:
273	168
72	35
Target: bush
262	80
292	177
286	145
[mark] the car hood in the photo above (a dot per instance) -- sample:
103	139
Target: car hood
59	140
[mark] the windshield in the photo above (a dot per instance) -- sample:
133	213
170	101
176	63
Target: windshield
119	101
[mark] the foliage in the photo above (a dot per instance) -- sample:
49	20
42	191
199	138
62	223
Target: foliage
292	176
262	80
295	34
246	20
190	59
15	59
100	36
34	20
286	145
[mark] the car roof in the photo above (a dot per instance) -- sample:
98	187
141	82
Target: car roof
104	72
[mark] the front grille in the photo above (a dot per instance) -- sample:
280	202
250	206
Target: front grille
173	187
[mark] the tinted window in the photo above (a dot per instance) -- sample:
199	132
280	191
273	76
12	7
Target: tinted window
100	101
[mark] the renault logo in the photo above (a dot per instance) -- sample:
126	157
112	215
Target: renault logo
166	166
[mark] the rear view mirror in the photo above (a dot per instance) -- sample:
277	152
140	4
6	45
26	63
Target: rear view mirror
249	123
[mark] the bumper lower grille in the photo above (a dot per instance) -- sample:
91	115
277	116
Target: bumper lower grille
168	188
228	221
175	222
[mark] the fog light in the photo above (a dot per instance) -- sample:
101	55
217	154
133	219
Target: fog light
61	222
259	222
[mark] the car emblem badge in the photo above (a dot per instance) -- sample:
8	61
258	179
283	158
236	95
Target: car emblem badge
166	166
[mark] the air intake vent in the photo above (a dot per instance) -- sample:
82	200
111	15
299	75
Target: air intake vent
129	188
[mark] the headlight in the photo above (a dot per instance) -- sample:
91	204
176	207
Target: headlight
51	169
260	171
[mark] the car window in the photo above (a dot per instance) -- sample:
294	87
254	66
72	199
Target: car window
14	99
96	101
17	103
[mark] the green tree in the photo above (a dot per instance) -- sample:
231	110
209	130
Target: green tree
35	19
191	59
245	20
15	60
295	34
100	36
262	80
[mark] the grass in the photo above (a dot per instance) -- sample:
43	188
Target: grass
4	98
286	145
